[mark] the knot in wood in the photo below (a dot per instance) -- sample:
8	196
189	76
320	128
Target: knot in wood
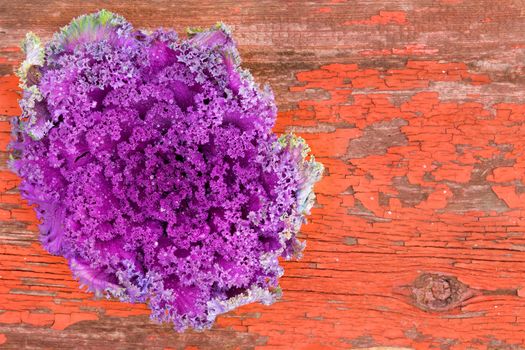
439	292
441	289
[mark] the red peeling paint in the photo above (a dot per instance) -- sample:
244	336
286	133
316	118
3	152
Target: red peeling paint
9	94
324	10
383	18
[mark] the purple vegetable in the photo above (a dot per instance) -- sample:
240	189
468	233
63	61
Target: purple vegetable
154	169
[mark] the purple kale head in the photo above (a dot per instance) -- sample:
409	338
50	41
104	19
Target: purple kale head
154	169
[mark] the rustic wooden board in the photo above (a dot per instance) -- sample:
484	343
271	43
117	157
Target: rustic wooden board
417	109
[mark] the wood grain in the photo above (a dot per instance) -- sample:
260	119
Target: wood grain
417	241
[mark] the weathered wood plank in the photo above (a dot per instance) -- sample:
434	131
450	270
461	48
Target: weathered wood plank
418	239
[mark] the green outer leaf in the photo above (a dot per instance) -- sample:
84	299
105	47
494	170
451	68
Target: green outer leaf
35	56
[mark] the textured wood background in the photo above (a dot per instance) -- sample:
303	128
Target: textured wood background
417	109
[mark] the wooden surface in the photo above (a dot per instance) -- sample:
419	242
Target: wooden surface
417	110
